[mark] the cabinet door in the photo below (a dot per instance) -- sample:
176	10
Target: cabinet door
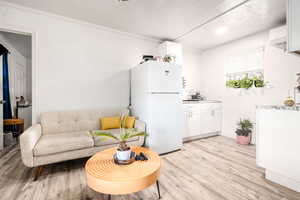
210	118
194	124
215	120
192	119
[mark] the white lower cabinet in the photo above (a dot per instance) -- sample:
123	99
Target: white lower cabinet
202	119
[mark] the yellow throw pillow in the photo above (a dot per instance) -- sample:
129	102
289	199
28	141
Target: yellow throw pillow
129	122
110	122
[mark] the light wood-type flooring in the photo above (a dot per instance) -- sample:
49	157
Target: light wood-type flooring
215	168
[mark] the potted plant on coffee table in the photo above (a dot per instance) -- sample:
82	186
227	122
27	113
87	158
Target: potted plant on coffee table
244	131
123	152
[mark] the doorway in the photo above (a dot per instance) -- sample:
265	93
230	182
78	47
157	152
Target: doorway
19	64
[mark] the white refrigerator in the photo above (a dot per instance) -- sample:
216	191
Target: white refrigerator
156	98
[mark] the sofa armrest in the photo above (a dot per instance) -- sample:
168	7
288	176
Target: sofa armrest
140	125
28	140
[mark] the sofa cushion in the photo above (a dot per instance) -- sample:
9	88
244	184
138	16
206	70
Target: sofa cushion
51	144
110	123
102	140
74	121
129	122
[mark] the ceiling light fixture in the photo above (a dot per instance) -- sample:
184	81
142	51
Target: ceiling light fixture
221	30
123	0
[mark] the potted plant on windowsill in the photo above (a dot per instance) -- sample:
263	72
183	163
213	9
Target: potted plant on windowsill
123	151
244	131
246	83
258	82
233	83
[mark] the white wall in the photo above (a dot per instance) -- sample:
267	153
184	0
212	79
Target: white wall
191	61
280	69
78	65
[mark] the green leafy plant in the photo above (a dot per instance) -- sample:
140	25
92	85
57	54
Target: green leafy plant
258	82
244	128
125	135
233	83
246	83
167	58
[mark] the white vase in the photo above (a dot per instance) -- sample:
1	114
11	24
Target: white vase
123	155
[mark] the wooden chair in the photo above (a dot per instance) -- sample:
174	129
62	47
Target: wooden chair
16	124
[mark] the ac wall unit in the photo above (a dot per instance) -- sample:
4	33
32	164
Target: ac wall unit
278	37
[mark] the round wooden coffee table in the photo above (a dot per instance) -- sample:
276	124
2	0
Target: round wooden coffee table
104	176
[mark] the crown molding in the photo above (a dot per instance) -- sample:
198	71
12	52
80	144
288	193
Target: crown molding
80	22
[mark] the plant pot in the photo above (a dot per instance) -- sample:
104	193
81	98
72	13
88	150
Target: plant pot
123	155
244	140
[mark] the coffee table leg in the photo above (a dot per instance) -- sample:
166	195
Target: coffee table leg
157	185
109	197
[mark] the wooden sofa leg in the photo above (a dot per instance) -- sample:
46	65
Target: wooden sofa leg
38	172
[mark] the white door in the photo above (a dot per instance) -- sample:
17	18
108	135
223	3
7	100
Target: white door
164	77
166	124
1	105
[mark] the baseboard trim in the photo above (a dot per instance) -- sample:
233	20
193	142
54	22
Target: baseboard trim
198	137
283	180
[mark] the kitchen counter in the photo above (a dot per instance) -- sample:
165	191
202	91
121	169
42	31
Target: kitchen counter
199	102
278	144
278	107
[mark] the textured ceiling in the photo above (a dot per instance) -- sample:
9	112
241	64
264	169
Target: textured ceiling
172	19
252	17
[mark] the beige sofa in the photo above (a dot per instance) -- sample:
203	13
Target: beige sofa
68	135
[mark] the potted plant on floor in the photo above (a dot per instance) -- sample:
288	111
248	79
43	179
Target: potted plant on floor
123	152
244	131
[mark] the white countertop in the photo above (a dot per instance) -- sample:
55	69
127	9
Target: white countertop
278	107
203	101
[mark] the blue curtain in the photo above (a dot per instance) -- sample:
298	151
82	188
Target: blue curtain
7	112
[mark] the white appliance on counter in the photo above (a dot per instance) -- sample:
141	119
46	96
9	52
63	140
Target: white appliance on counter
156	95
203	119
